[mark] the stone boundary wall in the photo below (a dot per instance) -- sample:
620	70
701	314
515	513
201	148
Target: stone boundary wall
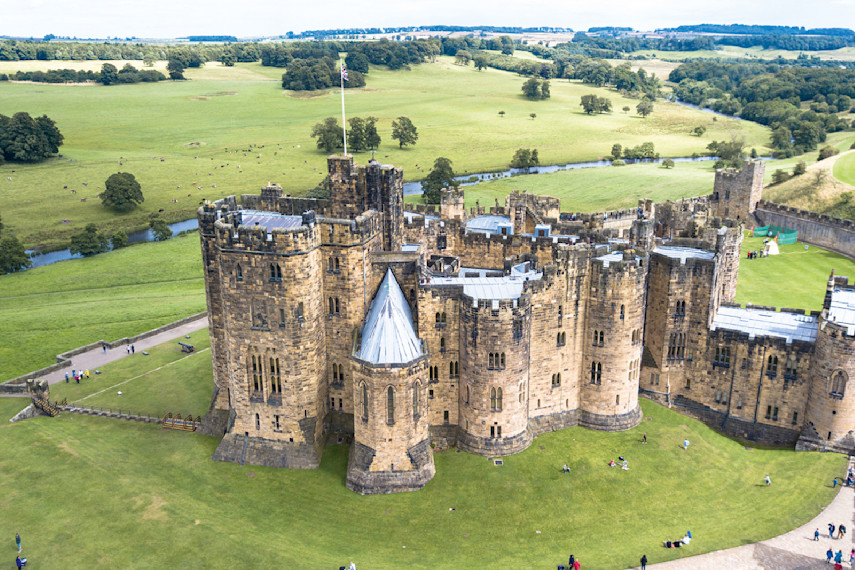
821	230
63	360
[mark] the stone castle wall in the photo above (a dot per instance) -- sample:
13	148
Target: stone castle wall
821	230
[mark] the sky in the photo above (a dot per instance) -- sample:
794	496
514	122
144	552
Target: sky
253	18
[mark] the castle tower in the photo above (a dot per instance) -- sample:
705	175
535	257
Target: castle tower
831	404
611	366
736	192
494	363
272	354
391	449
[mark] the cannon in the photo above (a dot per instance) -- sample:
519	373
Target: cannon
187	347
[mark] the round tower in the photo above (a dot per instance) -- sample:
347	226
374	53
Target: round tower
391	448
494	379
831	404
612	342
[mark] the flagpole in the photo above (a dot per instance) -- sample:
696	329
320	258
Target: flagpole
343	123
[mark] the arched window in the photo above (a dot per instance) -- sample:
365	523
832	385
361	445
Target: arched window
416	388
493	399
596	372
256	373
239	273
330	267
596	337
560	313
442	344
838	383
499	399
337	264
390	406
272	272
790	373
337	307
491	361
451	369
364	402
772	365
601	337
332	306
443	318
502	366
275	377
438	316
622	312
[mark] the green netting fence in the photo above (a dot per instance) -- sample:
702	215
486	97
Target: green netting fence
785	236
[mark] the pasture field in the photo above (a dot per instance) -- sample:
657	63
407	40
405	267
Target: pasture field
232	130
51	309
119	494
844	169
796	278
733	52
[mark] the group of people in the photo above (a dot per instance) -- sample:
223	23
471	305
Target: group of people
622	462
841	530
668	543
849	481
755	254
19	562
837	558
78	375
573	564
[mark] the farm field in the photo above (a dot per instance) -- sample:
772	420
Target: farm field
844	169
233	130
842	54
91	483
51	309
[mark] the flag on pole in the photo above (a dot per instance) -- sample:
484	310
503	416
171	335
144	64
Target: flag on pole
343	72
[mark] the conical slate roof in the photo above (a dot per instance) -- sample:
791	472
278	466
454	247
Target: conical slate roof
388	336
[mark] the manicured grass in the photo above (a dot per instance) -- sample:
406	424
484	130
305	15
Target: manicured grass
165	380
844	169
598	189
51	309
118	494
455	109
796	278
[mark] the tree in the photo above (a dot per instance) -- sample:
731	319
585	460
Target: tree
617	151
525	158
480	62
626	109
442	176
502	114
329	134
119	240
372	138
356	61
531	88
89	242
544	89
228	58
462	57
121	192
404	131
668	163
782	138
800	168
356	134
699	131
149	60
826	152
533	115
175	69
159	228
109	74
592	104
13	256
779	176
644	108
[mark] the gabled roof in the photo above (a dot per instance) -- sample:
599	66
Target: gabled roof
388	335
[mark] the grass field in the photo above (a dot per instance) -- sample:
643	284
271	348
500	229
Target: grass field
52	309
197	134
844	169
796	278
112	494
165	380
726	52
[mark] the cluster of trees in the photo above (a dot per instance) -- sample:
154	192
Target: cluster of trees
730	153
441	176
190	55
108	75
525	158
317	73
592	104
128	74
641	152
362	134
394	55
781	175
534	89
772	94
25	139
121	192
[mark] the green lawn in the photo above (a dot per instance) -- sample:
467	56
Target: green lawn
112	494
165	380
51	309
843	54
796	278
158	130
844	169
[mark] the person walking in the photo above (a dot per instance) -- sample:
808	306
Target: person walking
839	556
133	351
128	348
834	483
852	558
104	346
18	541
816	535
829	554
643	561
831	528
841	530
644	438
686	444
768	480
66	377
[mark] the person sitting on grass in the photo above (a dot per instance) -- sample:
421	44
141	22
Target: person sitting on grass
20	562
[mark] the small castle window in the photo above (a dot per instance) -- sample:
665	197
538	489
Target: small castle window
560	314
275	273
276	378
596	373
364	402
601	338
337	306
257	422
795	418
416	388
332	306
768	412
617	400
340	404
390	406
838	383
445	416
239	273
281	317
467	395
276	424
441	242
556	379
772	368
337	264
791	370
622	312
442	344
300	310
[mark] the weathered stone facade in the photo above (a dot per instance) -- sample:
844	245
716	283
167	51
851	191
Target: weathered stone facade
522	326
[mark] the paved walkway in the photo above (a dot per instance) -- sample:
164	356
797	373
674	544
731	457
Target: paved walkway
97	357
795	550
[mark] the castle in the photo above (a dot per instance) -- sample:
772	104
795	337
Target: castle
481	329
